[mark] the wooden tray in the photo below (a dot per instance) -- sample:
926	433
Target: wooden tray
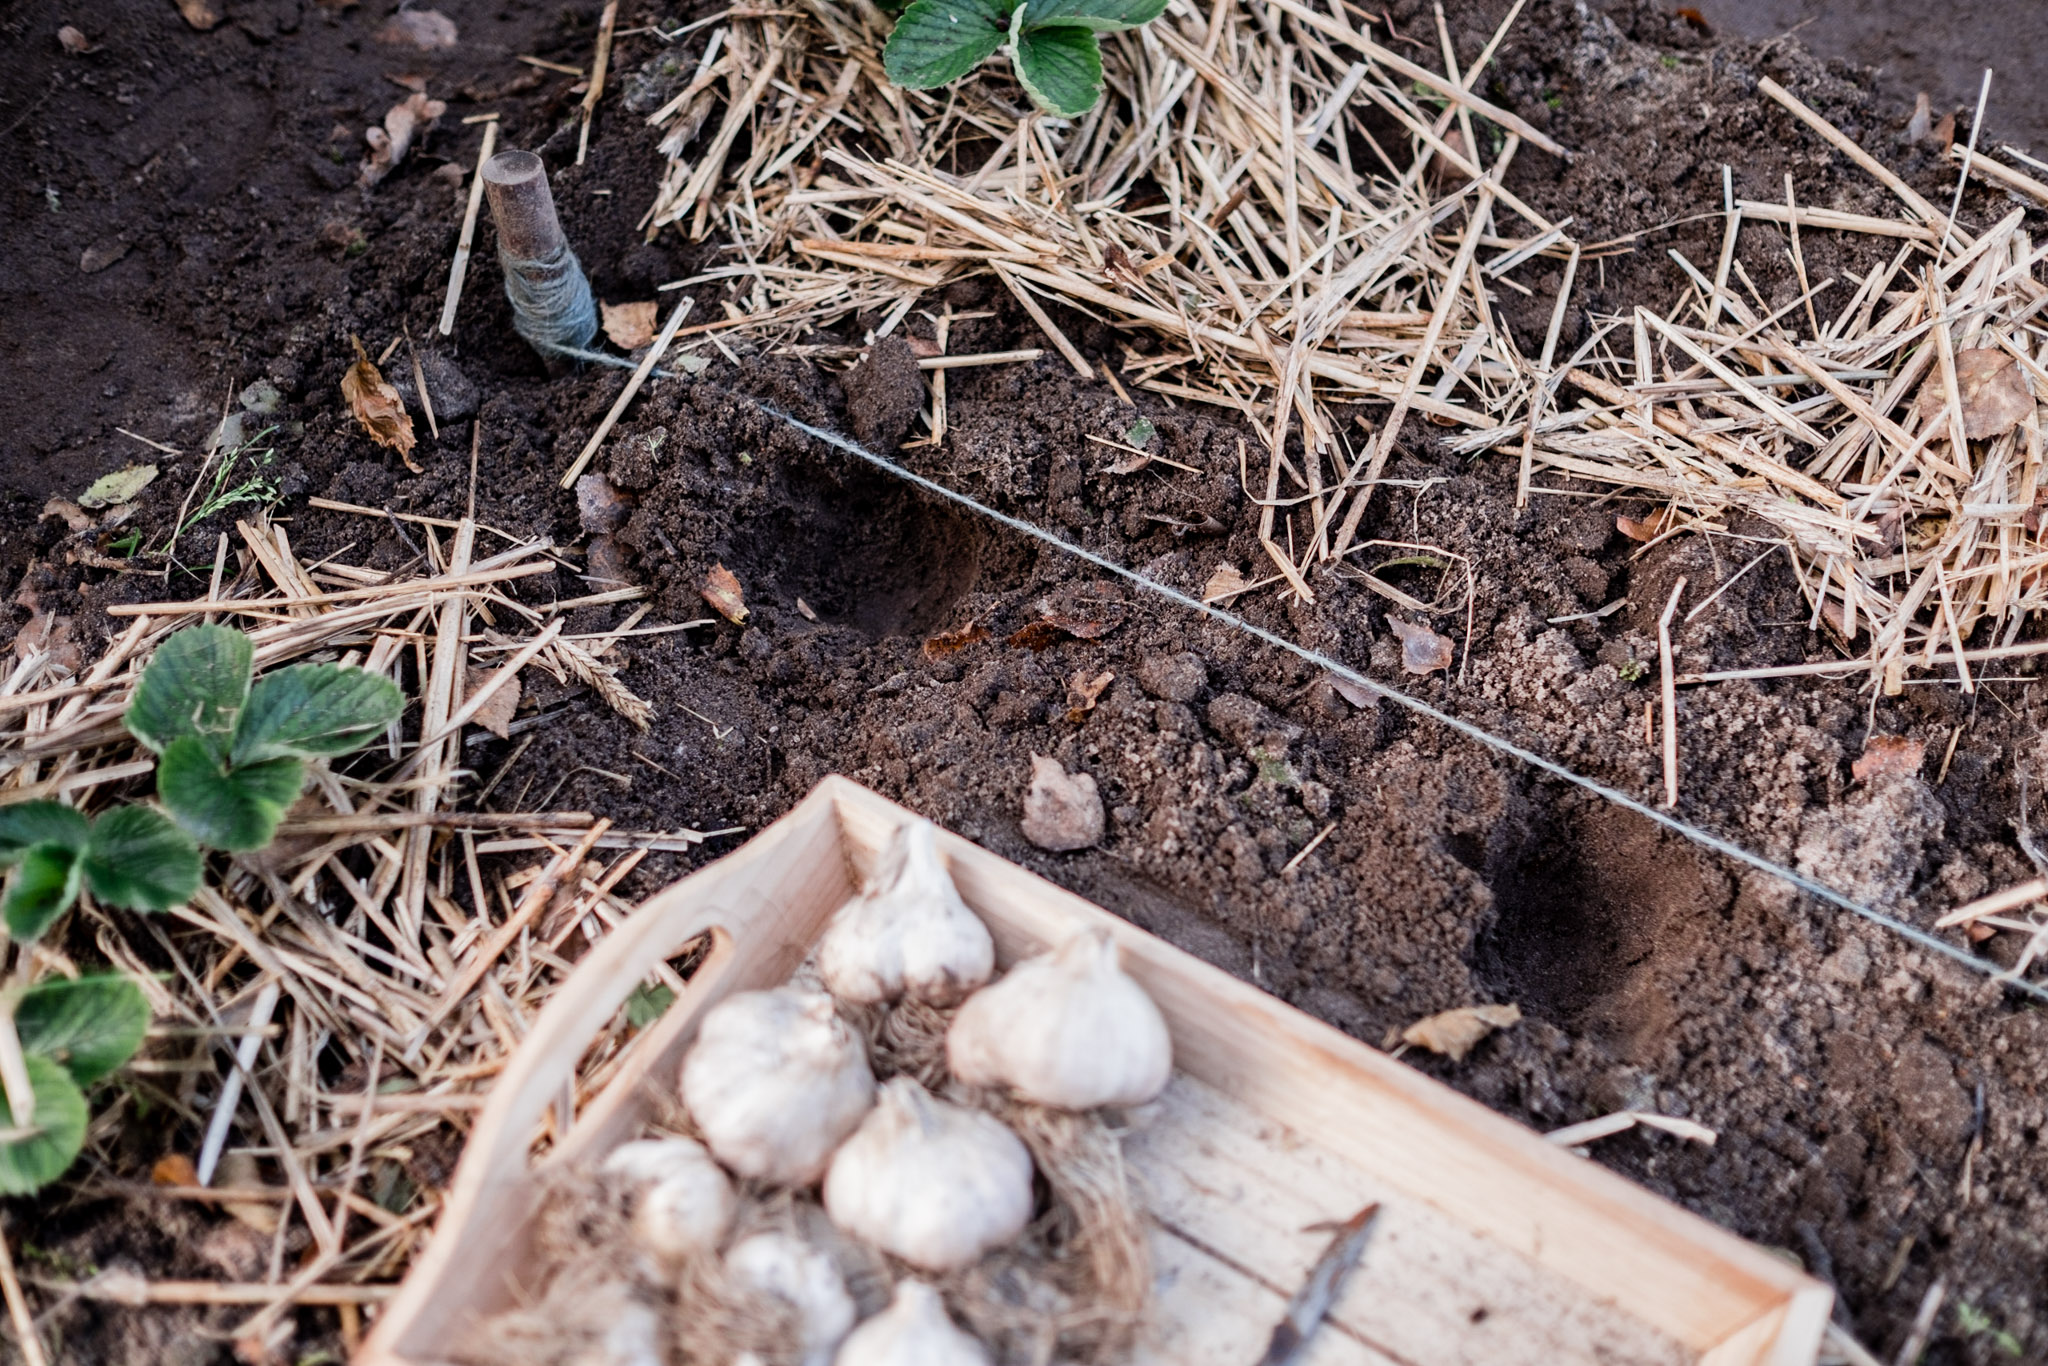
1492	1246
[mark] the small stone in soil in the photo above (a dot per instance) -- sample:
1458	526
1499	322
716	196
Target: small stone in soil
454	393
1062	811
598	505
1173	678
884	394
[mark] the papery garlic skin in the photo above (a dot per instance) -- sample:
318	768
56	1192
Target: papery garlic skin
933	1183
683	1202
909	933
632	1333
789	1269
774	1082
1067	1029
914	1330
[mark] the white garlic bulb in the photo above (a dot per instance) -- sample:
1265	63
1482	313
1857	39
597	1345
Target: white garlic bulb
631	1332
682	1200
1067	1029
775	1081
914	1330
933	1183
789	1269
908	933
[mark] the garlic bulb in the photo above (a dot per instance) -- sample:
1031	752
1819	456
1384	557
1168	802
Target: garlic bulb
683	1202
630	1334
775	1081
933	1183
787	1268
1065	1029
914	1330
908	933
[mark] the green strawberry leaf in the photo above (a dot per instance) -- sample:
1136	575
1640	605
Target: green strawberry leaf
1097	16
32	1157
196	684
937	41
139	860
43	887
1061	68
314	709
234	809
28	823
89	1027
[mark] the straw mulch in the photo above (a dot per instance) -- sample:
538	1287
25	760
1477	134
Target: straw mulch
385	955
1208	206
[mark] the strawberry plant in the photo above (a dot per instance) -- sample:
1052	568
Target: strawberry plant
231	754
1052	44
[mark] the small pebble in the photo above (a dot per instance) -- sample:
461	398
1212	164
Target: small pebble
1062	811
1173	678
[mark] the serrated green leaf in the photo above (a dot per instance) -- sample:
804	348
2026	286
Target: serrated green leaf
314	709
1061	68
937	41
33	1158
139	860
29	823
1098	16
43	886
234	809
196	684
89	1027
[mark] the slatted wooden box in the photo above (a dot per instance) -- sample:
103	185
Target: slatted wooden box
1492	1246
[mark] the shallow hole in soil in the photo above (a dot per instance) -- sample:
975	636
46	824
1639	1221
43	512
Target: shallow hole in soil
1594	915
860	552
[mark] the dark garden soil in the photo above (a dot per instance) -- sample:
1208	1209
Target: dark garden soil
181	220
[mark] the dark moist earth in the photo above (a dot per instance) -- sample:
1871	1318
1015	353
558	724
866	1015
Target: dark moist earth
181	221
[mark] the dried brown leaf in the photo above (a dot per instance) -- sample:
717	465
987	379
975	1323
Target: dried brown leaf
953	641
200	14
1038	637
1645	529
239	1170
1883	754
1995	394
631	326
1423	651
388	145
174	1169
1083	692
1224	585
1453	1033
600	507
722	590
495	715
378	407
1356	694
74	516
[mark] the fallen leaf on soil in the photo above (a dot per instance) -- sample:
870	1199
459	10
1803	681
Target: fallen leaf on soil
377	407
495	715
1889	754
1454	1032
425	29
119	487
47	631
599	506
74	42
953	641
73	515
722	590
1224	585
630	326
1356	694
388	145
924	348
174	1169
1644	528
1062	811
1038	637
1423	651
1082	692
238	1170
101	254
1130	464
1696	19
1922	122
1086	611
1995	394
199	14
1945	131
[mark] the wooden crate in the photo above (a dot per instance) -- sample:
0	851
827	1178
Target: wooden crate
1492	1246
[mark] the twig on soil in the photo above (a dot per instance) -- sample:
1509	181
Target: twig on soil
1670	695
18	1310
458	271
639	377
605	24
